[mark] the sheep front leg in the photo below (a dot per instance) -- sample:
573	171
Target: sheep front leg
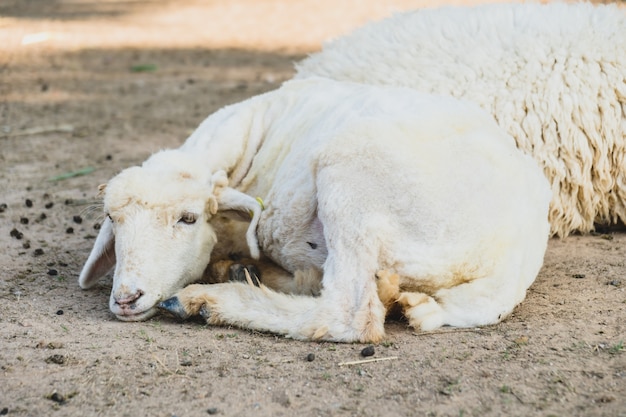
346	311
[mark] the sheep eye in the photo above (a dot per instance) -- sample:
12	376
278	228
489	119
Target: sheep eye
188	218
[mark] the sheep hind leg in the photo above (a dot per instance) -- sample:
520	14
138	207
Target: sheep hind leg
302	282
422	311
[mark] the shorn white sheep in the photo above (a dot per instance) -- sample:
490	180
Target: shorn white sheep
553	76
391	196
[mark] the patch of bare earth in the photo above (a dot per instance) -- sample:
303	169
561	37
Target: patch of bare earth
100	85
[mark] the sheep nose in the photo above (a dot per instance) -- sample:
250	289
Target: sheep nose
127	301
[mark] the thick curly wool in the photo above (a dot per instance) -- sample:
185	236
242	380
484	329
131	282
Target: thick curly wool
554	76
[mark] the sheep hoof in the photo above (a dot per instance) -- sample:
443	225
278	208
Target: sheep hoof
204	312
237	272
174	307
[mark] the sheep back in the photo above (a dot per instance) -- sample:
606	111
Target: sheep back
553	76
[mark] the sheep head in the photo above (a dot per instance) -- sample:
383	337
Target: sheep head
158	233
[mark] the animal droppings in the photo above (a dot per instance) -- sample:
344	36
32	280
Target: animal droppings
3	207
59	312
16	234
310	357
24	220
69	230
38	252
28	202
49	205
368	351
57	398
212	411
77	219
53	272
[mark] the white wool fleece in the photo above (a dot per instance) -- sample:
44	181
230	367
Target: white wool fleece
553	76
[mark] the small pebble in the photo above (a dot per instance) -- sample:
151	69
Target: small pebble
59	312
53	272
310	357
77	219
368	351
28	202
69	230
614	282
49	205
38	252
24	220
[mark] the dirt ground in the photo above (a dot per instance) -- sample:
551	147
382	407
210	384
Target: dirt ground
96	86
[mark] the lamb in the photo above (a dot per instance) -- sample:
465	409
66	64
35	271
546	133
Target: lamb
552	75
391	196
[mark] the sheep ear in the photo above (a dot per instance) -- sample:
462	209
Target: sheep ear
102	257
237	205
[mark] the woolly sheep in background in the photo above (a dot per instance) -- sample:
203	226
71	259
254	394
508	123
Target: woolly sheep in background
553	76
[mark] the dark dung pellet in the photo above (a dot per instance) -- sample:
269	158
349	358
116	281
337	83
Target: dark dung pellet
97	226
69	230
368	351
3	207
28	202
26	245
310	357
38	252
57	398
59	312
212	411
24	220
77	219
4	411
49	205
53	272
16	234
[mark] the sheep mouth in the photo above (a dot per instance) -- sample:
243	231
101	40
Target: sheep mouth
129	315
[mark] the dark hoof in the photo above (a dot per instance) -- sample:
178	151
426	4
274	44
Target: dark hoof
174	307
237	272
204	312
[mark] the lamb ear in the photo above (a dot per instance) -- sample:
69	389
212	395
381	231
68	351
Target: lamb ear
102	257
242	206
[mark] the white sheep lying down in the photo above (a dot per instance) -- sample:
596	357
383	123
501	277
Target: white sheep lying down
553	76
420	198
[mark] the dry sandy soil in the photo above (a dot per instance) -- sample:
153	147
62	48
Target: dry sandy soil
102	84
